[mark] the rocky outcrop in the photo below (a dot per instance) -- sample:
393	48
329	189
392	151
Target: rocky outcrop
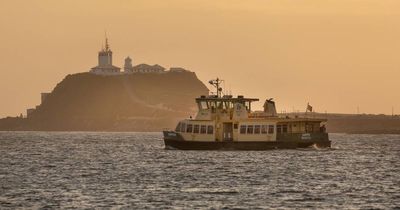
133	102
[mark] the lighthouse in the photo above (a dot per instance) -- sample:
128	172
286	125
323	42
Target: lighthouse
105	66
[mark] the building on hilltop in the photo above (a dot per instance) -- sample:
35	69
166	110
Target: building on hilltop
105	66
178	69
128	68
146	68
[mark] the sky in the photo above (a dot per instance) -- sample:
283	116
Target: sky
336	55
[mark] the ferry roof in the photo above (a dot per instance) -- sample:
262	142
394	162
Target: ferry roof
304	119
283	119
226	98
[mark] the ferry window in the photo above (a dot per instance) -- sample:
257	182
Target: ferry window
203	129
243	129
235	126
284	129
250	129
226	105
178	127
279	128
213	106
257	129
189	128
203	105
247	104
264	129
210	129
196	129
183	127
270	129
219	105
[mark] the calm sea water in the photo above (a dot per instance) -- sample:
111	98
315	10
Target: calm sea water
132	170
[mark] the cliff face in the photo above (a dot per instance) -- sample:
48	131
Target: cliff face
135	102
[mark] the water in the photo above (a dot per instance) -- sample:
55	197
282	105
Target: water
132	170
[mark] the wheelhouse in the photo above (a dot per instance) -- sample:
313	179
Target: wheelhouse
225	103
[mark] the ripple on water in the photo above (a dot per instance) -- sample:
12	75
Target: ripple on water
133	170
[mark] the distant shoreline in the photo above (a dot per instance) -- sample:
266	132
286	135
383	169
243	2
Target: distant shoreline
337	123
358	123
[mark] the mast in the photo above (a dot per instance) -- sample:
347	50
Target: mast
107	45
216	83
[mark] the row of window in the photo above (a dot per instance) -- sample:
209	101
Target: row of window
281	128
244	129
257	129
194	128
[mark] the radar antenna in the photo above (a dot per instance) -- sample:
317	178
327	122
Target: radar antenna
216	83
107	46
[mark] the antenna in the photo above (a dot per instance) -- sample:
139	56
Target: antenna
224	89
216	83
105	36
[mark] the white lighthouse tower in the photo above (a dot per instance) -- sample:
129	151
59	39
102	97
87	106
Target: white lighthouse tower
105	66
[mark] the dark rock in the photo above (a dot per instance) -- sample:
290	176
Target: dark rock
134	102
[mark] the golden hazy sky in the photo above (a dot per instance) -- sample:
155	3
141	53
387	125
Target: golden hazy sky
335	54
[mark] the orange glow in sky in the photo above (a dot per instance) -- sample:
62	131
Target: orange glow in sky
336	54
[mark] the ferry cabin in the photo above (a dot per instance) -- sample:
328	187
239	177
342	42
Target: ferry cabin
230	119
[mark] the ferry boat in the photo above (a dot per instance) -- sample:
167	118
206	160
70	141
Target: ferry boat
224	122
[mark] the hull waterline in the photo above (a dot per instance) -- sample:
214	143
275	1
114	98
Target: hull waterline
177	142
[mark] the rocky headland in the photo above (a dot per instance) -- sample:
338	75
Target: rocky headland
126	102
